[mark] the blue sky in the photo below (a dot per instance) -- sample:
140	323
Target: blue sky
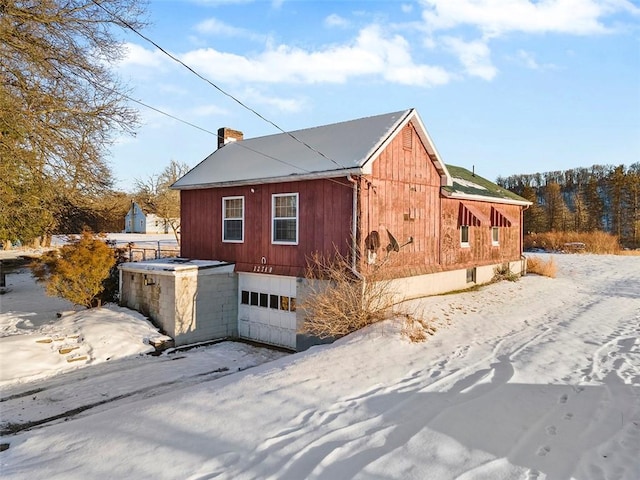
505	86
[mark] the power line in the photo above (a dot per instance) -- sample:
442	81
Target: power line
239	144
239	102
168	115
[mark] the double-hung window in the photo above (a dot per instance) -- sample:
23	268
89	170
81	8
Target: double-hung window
464	235
233	219
495	236
284	215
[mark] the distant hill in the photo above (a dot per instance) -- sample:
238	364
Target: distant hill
601	197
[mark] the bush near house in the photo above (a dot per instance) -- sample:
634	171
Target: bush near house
338	301
541	267
77	271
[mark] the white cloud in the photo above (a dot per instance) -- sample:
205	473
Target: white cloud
335	20
497	17
213	26
528	60
289	105
135	55
372	53
406	8
475	56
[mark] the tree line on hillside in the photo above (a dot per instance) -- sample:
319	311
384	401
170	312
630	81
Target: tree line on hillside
600	198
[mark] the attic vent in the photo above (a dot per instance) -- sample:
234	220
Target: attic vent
407	137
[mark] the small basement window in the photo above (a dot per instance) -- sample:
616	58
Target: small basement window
471	275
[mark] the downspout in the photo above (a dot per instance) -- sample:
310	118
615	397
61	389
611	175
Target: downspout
120	287
354	229
523	259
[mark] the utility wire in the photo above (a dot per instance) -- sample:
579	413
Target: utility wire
168	115
239	144
239	102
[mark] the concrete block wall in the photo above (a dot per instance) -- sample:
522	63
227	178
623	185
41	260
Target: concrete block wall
143	292
191	306
207	308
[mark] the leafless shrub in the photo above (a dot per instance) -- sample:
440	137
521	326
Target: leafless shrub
541	267
416	329
339	301
503	272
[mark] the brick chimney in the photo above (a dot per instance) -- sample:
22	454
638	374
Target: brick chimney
226	135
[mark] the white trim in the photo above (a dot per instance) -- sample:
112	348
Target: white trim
412	114
236	197
482	198
273	217
288	178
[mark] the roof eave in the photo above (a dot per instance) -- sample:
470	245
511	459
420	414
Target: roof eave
266	180
483	198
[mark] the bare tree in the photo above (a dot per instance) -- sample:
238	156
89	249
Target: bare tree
155	195
60	105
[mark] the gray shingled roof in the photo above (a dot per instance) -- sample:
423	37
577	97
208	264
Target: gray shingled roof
345	146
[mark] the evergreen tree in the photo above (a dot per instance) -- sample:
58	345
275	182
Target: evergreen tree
555	207
78	271
534	217
616	190
594	205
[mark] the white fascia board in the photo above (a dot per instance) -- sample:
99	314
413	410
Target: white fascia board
367	162
445	177
287	178
482	198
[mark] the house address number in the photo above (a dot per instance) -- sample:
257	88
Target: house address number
262	269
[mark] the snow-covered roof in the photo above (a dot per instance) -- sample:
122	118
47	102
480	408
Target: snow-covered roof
318	152
173	265
468	185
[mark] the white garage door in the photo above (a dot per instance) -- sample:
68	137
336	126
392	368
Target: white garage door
267	309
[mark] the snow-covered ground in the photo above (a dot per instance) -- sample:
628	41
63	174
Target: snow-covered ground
538	379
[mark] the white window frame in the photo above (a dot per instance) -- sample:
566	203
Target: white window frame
495	236
462	242
225	218
274	218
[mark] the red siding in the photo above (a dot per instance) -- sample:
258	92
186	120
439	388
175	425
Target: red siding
325	210
402	196
480	250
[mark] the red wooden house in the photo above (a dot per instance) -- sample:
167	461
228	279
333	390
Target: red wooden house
266	204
